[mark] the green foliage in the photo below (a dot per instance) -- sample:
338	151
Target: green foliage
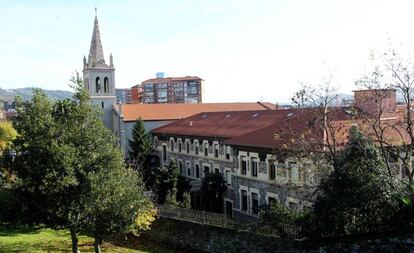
140	146
279	217
65	164
114	201
168	183
358	197
186	202
213	187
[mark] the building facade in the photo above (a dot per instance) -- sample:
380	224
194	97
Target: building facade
181	90
259	153
136	94
123	96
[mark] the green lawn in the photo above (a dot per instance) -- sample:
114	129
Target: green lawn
28	239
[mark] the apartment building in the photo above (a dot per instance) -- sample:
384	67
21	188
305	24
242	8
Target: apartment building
181	90
123	96
257	152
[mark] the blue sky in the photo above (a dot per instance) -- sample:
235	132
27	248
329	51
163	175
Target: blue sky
244	50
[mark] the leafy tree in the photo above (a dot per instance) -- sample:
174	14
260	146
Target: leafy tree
7	135
213	187
114	203
60	147
358	196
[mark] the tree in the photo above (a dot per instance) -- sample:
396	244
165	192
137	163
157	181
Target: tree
140	146
357	197
213	187
114	203
7	135
60	147
392	70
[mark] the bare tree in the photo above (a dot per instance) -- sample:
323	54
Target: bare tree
393	132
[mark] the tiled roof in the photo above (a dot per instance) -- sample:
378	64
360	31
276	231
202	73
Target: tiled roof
132	112
171	79
234	125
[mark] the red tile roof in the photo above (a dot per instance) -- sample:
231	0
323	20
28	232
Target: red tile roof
132	112
281	128
171	79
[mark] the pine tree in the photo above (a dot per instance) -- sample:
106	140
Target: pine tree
140	146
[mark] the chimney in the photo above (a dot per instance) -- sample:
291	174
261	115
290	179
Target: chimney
376	101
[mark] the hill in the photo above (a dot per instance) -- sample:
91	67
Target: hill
27	93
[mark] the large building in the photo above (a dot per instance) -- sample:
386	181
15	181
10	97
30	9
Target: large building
156	115
181	90
259	152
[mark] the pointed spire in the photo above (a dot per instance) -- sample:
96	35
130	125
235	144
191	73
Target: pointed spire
111	60
96	56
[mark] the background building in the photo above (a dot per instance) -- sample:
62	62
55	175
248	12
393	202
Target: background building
123	96
180	90
136	94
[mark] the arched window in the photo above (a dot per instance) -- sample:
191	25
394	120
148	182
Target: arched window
106	85
97	85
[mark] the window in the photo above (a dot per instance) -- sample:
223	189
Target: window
172	145
228	153
196	149
197	171
180	165
188	169
243	166
217	170
255	203
179	146
206	170
187	147
106	85
271	201
244	200
206	150
293	205
102	104
272	170
97	85
254	167
228	177
156	142
281	168
293	171
164	153
216	150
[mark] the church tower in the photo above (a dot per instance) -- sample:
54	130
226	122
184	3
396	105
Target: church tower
99	77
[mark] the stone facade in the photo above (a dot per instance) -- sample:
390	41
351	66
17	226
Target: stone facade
197	156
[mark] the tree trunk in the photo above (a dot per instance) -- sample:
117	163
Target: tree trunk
97	245
74	238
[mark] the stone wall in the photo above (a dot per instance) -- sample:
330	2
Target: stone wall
201	238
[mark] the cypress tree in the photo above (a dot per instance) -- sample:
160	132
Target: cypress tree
140	146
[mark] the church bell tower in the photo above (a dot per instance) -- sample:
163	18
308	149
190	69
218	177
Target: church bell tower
99	77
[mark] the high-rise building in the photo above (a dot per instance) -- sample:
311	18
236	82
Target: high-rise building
181	90
123	96
99	77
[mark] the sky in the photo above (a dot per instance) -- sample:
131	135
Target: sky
244	50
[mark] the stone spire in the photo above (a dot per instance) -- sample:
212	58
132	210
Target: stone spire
96	56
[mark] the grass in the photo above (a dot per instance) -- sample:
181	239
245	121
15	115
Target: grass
39	239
